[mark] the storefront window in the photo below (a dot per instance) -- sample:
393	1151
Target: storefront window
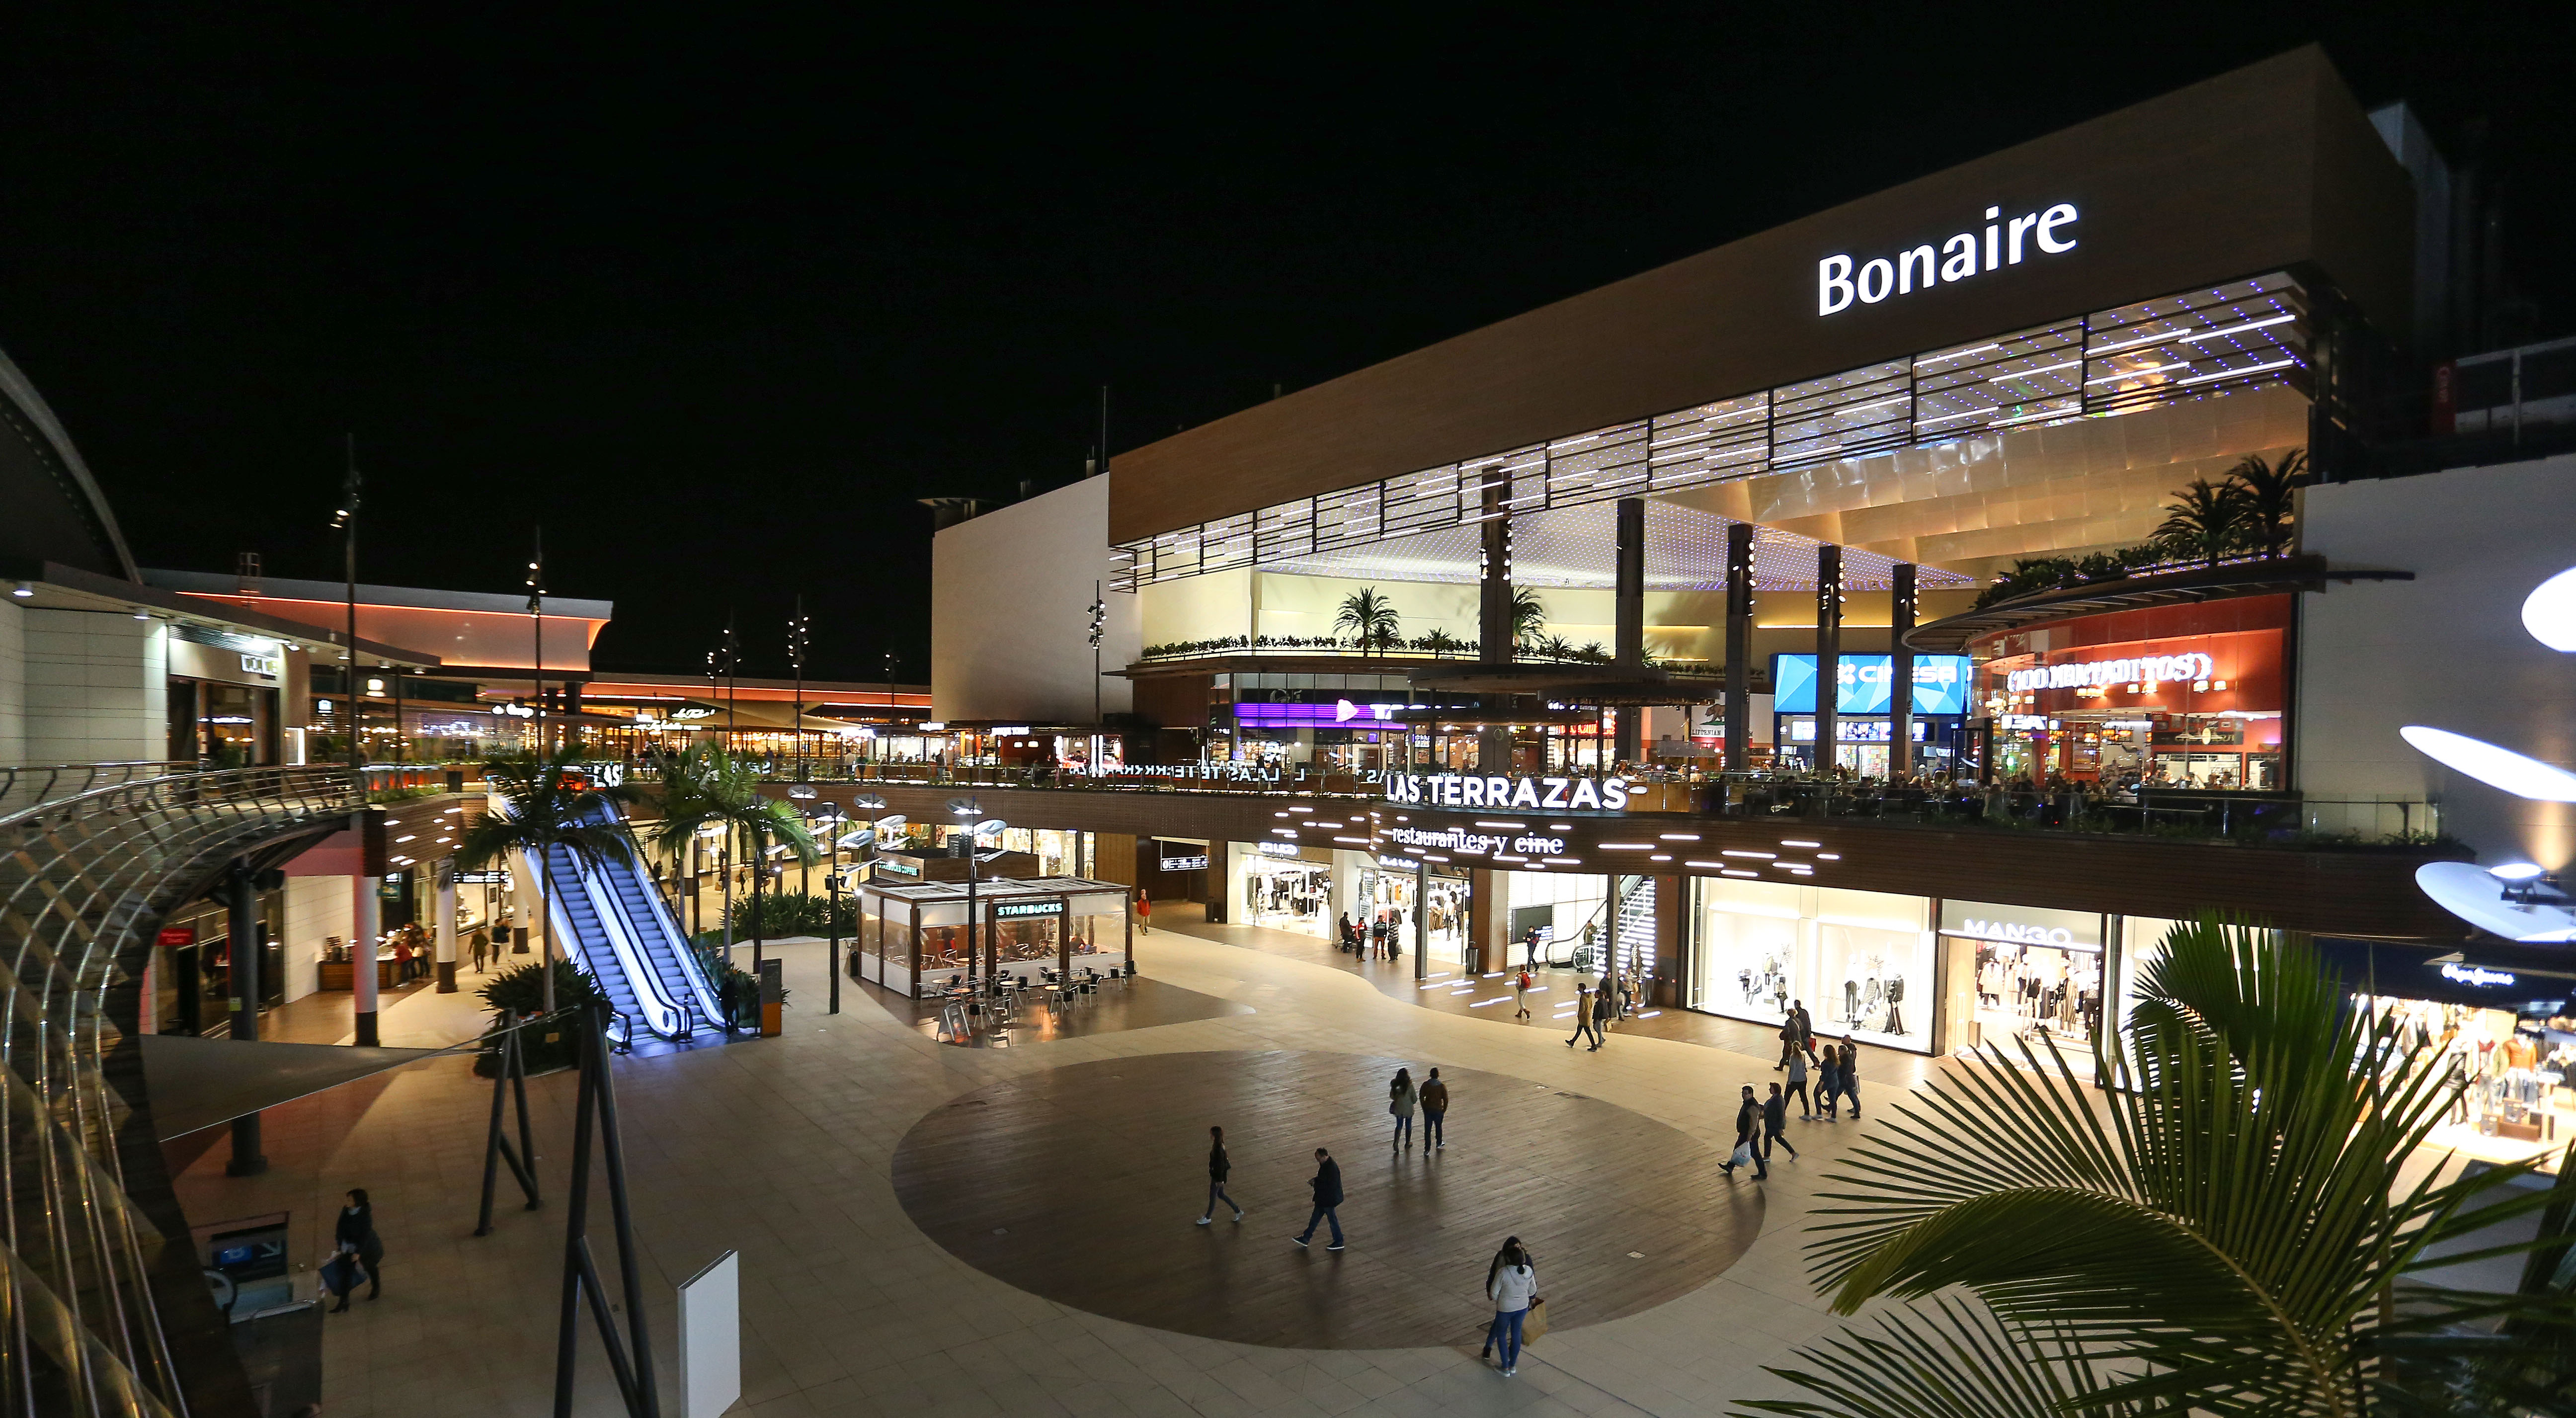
1387	896
2178	710
2039	973
1284	893
1860	961
1567	913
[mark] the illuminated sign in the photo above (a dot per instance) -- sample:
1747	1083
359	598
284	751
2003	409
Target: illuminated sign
1863	684
1277	849
2022	925
692	712
2477	975
1839	282
1515	791
1021	910
1471	842
896	866
1851	730
1013	731
2139	669
174	936
269	665
1339	713
2034	722
1196	861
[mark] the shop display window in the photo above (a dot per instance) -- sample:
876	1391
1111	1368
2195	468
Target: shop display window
2512	1070
1860	961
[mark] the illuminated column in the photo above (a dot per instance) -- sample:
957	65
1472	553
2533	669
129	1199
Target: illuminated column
1900	674
364	925
1494	639
1739	644
1829	650
444	914
1629	613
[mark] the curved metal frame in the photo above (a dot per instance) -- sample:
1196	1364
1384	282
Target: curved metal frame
81	878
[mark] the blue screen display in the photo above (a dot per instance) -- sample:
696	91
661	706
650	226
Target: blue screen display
1940	684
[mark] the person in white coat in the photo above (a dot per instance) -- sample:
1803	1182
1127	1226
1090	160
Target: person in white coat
1511	1282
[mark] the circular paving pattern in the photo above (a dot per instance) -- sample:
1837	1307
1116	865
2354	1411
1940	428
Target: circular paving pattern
1082	1184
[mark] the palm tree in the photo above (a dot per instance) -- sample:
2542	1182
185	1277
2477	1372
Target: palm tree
1528	615
1369	617
1557	647
2268	492
2232	1228
2208	521
708	786
1439	642
547	802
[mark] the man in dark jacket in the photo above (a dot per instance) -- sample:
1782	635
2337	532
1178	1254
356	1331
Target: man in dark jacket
1327	1185
1435	1106
1748	1133
1219	1168
1775	1126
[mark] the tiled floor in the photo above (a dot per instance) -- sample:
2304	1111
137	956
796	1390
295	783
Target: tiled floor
783	1150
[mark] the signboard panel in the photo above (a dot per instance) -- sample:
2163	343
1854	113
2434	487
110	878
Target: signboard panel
1940	684
2021	925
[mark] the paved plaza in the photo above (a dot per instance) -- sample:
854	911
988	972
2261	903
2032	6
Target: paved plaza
1009	1230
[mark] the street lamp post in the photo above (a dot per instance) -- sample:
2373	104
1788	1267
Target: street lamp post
797	629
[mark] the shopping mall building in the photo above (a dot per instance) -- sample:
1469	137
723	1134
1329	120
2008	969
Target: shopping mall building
1530	629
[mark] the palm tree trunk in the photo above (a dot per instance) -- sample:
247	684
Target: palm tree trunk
759	927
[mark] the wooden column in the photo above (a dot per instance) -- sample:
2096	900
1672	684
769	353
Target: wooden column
1739	645
1900	673
1829	652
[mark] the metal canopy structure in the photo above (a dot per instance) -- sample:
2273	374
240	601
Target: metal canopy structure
2226	581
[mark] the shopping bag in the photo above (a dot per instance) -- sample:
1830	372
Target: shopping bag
340	1275
1535	1326
1742	1156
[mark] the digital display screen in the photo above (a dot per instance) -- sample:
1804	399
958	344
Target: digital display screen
1940	684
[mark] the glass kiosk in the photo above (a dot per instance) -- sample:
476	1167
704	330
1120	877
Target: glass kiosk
913	938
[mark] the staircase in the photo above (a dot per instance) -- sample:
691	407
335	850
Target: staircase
1633	943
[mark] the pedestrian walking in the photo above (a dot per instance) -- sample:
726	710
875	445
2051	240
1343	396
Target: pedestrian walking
1829	1084
1798	1087
1511	1282
1327	1187
1144	914
1219	1167
1788	1042
1775	1126
1747	1150
1604	1009
1806	1028
1520	994
355	1233
1400	1098
1850	1076
1583	1014
1435	1106
481	946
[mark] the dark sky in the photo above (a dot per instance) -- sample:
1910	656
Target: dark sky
716	303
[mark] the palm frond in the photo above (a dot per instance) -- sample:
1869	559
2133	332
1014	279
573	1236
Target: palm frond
1945	1360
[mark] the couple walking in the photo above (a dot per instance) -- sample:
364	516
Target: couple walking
1593	1011
1837	1076
1760	1125
1433	1096
1511	1282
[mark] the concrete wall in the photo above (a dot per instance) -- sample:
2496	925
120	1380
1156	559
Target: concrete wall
1010	594
2446	649
317	907
13	682
95	685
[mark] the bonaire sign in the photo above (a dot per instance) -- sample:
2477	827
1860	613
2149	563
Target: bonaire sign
1842	280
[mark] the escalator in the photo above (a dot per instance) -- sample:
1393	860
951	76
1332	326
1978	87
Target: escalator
576	919
625	939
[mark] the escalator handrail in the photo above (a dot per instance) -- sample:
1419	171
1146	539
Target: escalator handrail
619	946
705	1004
687	1014
644	982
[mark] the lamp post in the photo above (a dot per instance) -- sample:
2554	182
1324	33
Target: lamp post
976	826
797	628
537	633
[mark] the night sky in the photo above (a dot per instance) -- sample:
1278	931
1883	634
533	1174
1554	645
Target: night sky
716	303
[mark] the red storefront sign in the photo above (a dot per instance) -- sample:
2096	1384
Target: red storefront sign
175	936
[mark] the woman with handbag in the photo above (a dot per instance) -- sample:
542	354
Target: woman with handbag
1511	1282
1400	1099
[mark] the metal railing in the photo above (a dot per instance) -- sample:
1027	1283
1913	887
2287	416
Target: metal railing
25	787
82	878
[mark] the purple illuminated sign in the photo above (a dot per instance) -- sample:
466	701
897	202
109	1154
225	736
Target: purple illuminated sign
1339	714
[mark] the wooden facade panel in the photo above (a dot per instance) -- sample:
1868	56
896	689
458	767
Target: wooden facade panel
2272	167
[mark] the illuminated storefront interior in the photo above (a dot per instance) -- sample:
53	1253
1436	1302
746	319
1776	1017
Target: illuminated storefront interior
2181	696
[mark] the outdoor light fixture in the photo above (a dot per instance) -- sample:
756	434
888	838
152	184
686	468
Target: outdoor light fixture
142	614
2549	612
2496	767
25	589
